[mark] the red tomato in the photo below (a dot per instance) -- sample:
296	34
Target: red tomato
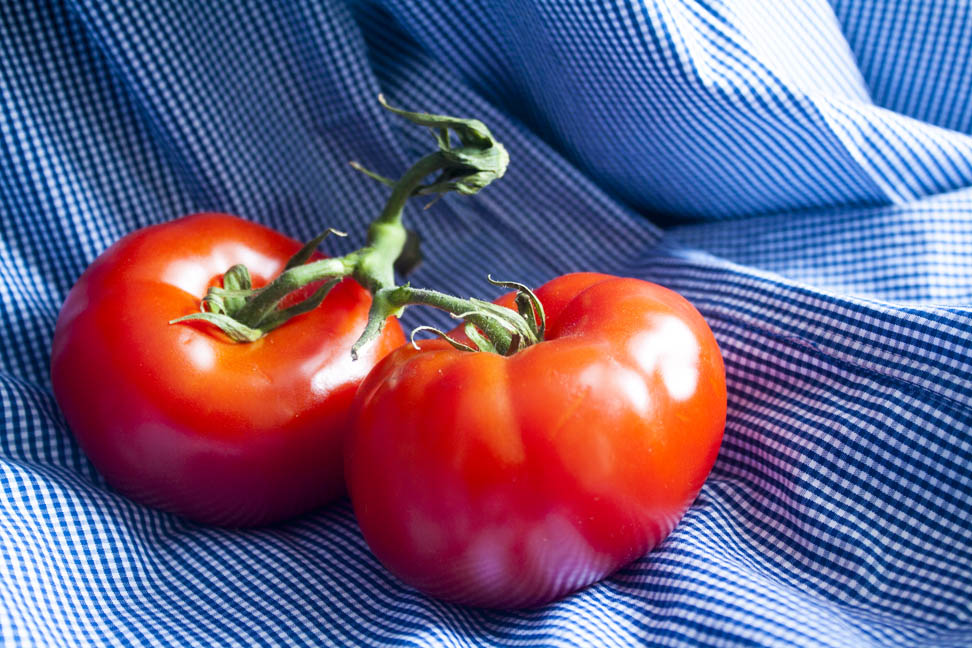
510	481
181	418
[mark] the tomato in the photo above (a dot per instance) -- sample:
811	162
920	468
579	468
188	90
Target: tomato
510	481
179	417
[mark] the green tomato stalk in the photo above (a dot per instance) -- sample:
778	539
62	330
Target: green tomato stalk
246	314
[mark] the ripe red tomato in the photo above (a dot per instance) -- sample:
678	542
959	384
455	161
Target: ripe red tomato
181	418
510	481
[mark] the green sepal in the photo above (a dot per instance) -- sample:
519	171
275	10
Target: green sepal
306	252
471	132
216	299
235	279
235	330
470	167
371	174
470	170
527	304
488	164
510	320
284	314
482	342
456	344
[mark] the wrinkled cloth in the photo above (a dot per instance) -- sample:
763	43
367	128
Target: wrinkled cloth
800	171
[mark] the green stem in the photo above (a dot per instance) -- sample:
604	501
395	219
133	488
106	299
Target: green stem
375	267
496	328
265	300
372	266
469	310
246	315
407	185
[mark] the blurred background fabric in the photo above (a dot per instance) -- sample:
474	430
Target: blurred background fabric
800	170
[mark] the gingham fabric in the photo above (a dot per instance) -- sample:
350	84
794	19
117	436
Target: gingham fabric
801	171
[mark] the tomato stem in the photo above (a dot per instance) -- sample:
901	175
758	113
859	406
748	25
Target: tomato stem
246	314
265	301
491	327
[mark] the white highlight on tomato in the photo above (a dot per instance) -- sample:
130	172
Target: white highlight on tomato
670	349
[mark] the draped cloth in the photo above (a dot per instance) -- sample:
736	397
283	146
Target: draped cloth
800	171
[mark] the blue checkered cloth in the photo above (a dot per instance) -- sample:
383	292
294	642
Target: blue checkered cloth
801	171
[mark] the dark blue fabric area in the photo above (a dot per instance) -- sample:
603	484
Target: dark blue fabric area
799	171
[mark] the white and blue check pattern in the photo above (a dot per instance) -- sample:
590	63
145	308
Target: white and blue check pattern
801	171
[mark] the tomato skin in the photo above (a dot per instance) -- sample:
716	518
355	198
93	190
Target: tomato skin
511	481
177	416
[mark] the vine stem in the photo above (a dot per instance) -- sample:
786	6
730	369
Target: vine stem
246	314
265	300
371	266
498	328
